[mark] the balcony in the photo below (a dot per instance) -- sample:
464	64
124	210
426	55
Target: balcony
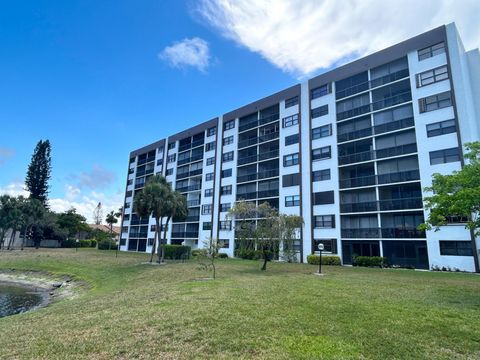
185	235
144	172
189	174
192	218
377	154
260	157
138	235
258	176
146	160
366	233
402	176
383	205
258	194
258	140
372	84
190	188
254	123
191	145
376	105
403	233
193	203
376	130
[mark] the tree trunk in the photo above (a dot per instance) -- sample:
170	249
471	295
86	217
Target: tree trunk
24	236
153	246
165	237
12	238
214	269
160	247
110	242
265	255
2	238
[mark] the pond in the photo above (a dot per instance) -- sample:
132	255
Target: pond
15	299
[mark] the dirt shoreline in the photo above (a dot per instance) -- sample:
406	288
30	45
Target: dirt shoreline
50	287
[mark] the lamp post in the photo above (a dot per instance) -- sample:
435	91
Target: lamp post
320	248
76	245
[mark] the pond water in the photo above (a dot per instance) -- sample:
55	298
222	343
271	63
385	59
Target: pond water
15	299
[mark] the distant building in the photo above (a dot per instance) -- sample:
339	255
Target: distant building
349	150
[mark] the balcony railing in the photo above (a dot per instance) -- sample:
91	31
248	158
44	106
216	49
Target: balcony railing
388	233
258	194
191	145
376	105
144	172
192	218
371	84
139	222
190	188
190	159
378	154
146	160
189	174
138	234
402	176
254	123
256	176
185	235
379	129
193	203
382	205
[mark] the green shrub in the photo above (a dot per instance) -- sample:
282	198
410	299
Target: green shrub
107	244
223	256
197	252
68	243
326	260
370	261
93	243
176	252
251	254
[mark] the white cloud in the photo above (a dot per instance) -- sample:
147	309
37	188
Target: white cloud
188	52
97	178
15	188
303	37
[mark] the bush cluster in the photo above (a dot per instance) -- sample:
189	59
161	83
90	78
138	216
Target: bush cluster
326	260
370	261
196	252
72	243
223	256
176	252
107	244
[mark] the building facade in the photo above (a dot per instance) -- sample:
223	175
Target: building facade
349	150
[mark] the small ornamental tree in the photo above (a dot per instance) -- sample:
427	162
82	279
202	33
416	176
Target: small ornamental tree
457	194
209	254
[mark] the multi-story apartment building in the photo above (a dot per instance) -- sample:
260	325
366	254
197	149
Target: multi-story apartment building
349	150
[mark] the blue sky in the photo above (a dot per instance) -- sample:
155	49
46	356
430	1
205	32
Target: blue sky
100	78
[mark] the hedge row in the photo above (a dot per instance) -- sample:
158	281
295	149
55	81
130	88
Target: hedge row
176	252
107	245
71	243
326	260
251	254
370	261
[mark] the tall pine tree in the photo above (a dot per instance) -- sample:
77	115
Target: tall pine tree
39	172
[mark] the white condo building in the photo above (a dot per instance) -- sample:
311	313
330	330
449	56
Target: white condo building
349	150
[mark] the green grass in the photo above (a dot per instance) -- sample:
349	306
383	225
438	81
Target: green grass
129	310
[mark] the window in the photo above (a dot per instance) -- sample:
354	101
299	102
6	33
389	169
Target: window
228	140
171	158
129	182
323	198
225	225
171	146
290	160
226	173
321	153
211	161
441	128
211	131
207	225
291	180
292	200
329	245
319	111
324	221
226	190
225	207
152	227
150	241
228	125
322	131
456	248
208	192
292	139
290	121
169	172
123	242
210	146
131	171
444	156
321	175
209	176
435	102
207	209
225	243
227	156
129	193
431	51
432	76
126	217
291	102
159	162
127	205
320	91
124	229
132	160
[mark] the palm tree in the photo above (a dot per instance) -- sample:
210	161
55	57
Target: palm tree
175	207
112	219
33	212
151	201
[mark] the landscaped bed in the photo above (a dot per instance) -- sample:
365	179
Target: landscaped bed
129	310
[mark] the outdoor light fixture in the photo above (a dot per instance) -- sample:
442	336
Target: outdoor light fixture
320	248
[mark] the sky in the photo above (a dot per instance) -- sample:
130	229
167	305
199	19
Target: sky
102	78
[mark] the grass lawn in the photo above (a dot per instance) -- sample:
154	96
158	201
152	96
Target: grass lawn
132	310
